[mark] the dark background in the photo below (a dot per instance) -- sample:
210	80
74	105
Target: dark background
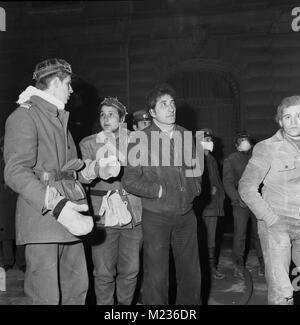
230	61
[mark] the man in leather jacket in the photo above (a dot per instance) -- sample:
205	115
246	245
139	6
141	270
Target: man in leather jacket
167	192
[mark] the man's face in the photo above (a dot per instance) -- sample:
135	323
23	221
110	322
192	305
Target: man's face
165	110
109	118
63	89
290	121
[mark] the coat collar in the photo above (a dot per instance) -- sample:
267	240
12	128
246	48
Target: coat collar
155	127
49	107
31	91
279	139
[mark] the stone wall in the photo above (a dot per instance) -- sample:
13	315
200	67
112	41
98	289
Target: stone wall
124	48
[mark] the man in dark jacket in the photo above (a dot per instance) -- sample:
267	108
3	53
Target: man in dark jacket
211	199
41	166
233	168
167	192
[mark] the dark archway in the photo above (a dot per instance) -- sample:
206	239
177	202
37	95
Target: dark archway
208	98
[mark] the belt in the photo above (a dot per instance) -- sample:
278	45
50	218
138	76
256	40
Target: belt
55	175
103	193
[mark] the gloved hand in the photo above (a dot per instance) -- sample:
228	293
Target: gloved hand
91	169
67	213
110	217
119	209
109	167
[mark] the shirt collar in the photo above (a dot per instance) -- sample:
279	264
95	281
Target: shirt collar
168	132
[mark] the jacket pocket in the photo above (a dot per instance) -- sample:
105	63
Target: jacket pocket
285	165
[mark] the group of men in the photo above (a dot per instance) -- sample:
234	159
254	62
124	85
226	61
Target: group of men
133	203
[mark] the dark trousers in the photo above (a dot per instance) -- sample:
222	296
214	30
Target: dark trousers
211	227
13	253
241	217
159	232
56	274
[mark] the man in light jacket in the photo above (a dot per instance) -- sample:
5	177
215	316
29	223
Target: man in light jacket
117	244
42	167
275	163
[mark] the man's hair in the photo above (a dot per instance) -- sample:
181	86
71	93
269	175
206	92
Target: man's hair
157	92
114	102
43	83
48	69
286	102
241	135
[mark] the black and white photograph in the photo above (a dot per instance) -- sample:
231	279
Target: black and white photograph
150	155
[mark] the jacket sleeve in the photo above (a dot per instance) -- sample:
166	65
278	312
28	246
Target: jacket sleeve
136	181
88	174
20	155
229	181
254	174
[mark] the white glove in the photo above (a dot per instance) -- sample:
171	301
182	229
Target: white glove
109	167
91	169
76	223
119	208
110	217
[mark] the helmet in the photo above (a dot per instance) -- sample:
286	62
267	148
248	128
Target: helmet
141	115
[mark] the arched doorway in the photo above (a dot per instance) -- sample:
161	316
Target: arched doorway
208	97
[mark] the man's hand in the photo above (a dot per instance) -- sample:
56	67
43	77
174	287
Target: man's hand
69	216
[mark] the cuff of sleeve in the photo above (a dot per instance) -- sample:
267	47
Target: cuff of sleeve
60	205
